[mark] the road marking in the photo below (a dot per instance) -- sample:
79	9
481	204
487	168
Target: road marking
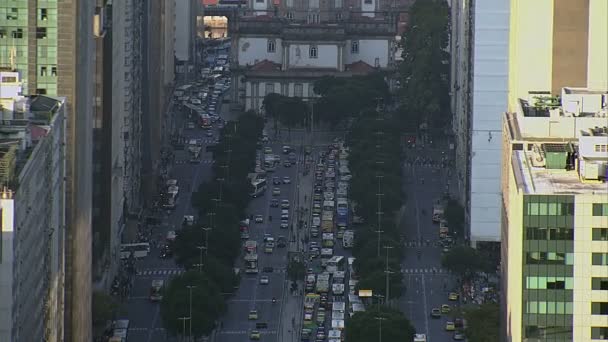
424	270
419	236
160	271
426	311
151	332
145	329
244	332
252	300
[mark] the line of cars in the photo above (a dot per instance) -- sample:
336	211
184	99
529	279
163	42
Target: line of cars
457	325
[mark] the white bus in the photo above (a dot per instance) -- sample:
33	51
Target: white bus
139	250
336	263
259	187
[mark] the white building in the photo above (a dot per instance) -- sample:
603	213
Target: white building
555	220
32	210
286	53
185	31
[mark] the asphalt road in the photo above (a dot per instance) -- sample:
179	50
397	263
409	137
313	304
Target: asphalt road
427	284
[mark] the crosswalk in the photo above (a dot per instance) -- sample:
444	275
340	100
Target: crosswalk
160	272
419	244
424	270
186	161
133	329
245	332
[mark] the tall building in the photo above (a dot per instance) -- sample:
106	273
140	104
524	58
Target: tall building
185	33
501	50
283	47
555	218
50	44
32	213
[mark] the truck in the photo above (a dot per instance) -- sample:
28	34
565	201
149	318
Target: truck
310	282
328	240
437	212
251	263
322	283
251	246
443	229
337	289
348	239
327	221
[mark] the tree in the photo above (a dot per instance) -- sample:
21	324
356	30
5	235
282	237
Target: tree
465	261
483	323
296	270
454	213
271	105
104	307
365	326
207	304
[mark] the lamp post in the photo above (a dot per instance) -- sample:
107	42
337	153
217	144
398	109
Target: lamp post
388	273
200	258
221	181
206	230
380	319
190	287
184	319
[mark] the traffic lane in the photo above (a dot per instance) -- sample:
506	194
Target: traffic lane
437	296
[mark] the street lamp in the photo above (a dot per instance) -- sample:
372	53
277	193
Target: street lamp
380	319
379	235
184	319
221	180
190	287
211	215
388	273
379	298
206	230
200	260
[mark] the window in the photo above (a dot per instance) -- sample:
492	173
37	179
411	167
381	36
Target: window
2	33
600	234
339	16
599	259
338	3
13	14
601	148
377	62
600	209
554	308
271	46
311	90
40	32
548	333
599	283
298	90
269	88
289	4
354	46
54	71
41	91
313	52
42	71
368	2
313	3
555	234
599	333
549	258
599	308
43	14
289	15
550	283
259	1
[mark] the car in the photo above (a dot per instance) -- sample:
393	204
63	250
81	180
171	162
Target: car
435	313
274	203
264	280
259	219
287	163
209	134
254	335
268	150
286	180
276	181
445	308
307	150
276	192
420	338
267	269
453	296
285	204
166	252
449	326
281	242
284	224
286	149
458	336
190	125
284	217
253	315
314	232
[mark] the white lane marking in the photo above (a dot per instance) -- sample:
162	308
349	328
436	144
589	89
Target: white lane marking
426	316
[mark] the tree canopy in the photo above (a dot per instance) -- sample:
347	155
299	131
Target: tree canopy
466	261
289	111
483	323
365	326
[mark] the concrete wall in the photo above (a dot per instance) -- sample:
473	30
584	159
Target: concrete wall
183	30
597	67
253	50
255	91
327	56
6	268
369	50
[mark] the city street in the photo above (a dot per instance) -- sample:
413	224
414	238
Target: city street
427	284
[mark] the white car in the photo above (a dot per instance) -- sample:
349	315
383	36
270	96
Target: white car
259	219
264	280
286	180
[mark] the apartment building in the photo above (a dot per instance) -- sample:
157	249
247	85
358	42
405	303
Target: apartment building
32	212
283	48
501	50
555	218
50	44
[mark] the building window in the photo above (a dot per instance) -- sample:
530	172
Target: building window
554	234
550	283
549	258
377	62
554	308
298	90
552	208
43	14
289	15
40	32
601	148
354	46
13	14
2	33
289	4
313	52
599	308
42	71
599	283
339	16
54	71
600	209
368	2
41	91
600	234
311	90
599	259
556	333
269	88
259	1
313	3
271	46
599	333
338	3
18	33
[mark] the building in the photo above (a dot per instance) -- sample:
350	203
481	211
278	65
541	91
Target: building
284	47
185	34
51	45
555	219
493	66
32	211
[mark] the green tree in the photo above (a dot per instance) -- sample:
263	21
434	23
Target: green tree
465	261
272	107
207	304
454	213
365	326
483	323
104	307
296	270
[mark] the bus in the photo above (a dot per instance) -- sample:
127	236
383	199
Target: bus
138	250
259	187
335	264
156	290
328	205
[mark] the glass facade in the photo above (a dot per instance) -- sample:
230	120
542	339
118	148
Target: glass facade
548	235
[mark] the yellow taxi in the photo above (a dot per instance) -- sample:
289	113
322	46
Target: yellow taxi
445	308
450	326
453	296
253	314
254	335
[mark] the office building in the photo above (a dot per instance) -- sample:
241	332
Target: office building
50	44
32	213
185	34
501	51
555	218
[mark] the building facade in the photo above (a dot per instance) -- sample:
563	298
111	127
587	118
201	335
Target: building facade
555	220
185	32
493	65
286	52
32	209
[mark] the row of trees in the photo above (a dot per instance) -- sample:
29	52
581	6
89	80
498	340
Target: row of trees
208	249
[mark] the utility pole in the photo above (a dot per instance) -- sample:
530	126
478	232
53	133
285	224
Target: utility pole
190	287
388	273
379	235
206	230
221	181
184	319
200	259
379	212
211	215
380	319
